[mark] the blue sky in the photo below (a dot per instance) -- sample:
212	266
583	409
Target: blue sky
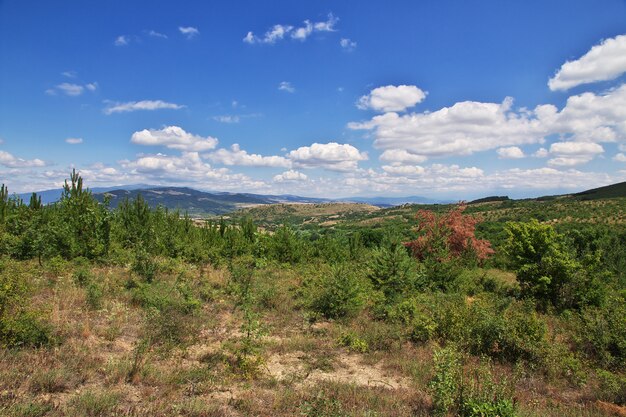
451	99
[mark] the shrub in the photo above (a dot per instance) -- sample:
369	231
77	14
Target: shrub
477	394
600	333
336	294
19	327
612	387
445	383
392	271
144	266
353	342
546	270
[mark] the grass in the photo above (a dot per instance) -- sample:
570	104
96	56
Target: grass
161	353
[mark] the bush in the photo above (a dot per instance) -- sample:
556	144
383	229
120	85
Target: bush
353	342
477	394
144	266
546	270
600	333
392	271
612	387
19	327
336	294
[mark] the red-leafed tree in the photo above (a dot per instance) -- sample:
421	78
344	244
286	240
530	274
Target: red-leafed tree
447	236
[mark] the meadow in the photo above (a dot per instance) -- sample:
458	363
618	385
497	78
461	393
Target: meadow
499	308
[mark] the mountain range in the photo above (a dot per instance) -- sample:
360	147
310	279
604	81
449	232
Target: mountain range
197	202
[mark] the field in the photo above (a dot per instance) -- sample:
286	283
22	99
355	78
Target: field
334	310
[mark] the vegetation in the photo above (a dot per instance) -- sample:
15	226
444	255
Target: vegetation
490	309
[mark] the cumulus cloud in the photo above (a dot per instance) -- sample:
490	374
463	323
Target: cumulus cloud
303	32
279	32
11	161
174	137
188	169
602	62
121	40
286	86
69	74
401	156
391	98
290	176
468	127
189	31
541	153
74	141
573	153
140	105
620	157
237	156
332	156
347	44
510	152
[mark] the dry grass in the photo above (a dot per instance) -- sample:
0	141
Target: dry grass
106	364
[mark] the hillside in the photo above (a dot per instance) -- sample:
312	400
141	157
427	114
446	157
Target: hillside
304	215
610	191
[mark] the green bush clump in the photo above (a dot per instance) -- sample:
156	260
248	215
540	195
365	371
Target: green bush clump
600	333
336	293
478	393
19	327
353	342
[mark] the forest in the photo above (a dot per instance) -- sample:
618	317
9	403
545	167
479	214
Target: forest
500	308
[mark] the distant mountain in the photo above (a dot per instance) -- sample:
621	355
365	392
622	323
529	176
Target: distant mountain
51	196
394	201
197	202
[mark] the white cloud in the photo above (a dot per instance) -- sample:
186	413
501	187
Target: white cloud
74	141
468	127
140	105
174	137
238	156
121	40
279	32
404	170
189	31
573	153
11	161
461	129
391	98
69	74
456	180
156	34
276	33
541	153
328	25
332	156
289	176
227	118
303	32
620	157
187	169
286	86
401	156
602	62
70	89
510	152
347	44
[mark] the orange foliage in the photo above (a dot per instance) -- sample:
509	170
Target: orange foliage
453	232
